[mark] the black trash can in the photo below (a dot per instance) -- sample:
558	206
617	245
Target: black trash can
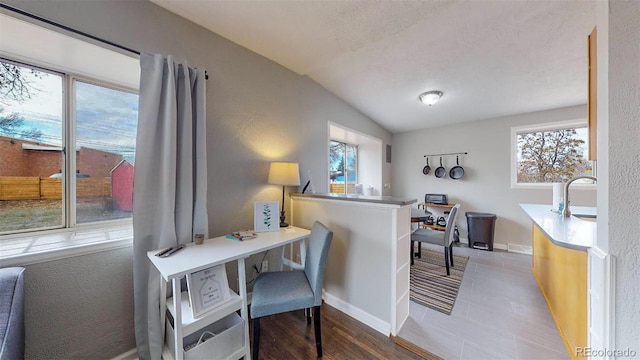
481	227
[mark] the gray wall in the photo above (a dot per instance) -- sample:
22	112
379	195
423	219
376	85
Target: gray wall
80	307
257	111
486	185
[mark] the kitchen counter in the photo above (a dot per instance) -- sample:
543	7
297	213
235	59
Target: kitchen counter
389	200
367	272
572	232
559	265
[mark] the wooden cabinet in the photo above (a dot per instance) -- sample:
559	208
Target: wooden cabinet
592	95
561	274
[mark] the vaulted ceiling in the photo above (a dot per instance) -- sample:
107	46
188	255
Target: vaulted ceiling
490	58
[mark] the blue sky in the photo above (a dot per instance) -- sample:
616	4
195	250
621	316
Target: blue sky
106	118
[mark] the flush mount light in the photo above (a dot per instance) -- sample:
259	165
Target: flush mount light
430	97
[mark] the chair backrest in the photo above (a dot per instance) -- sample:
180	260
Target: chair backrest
12	338
451	224
316	259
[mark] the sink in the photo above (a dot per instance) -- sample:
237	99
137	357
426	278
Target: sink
586	217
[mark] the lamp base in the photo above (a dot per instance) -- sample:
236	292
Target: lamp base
283	223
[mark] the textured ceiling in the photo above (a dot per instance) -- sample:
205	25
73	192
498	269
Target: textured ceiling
490	58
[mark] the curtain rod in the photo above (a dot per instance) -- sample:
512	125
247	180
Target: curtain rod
64	27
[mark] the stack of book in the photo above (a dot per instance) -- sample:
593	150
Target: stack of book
242	235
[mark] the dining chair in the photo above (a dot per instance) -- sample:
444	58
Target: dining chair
438	237
283	291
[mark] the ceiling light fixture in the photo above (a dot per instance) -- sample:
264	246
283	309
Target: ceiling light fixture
430	97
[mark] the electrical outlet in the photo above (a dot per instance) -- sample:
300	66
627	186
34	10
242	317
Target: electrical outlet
265	266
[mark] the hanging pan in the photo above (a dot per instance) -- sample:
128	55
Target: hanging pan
440	171
427	168
456	172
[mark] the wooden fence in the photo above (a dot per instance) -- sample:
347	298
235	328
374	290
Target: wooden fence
338	188
34	188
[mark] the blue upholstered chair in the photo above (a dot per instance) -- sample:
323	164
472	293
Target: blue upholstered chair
12	313
283	291
437	237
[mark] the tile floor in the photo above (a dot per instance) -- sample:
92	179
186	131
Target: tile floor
499	313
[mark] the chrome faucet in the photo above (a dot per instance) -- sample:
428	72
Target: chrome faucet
566	212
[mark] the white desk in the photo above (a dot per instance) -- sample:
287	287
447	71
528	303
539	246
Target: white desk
216	251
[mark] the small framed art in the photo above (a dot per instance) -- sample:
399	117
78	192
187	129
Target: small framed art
265	216
208	288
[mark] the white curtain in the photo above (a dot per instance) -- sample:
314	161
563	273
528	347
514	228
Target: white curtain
170	181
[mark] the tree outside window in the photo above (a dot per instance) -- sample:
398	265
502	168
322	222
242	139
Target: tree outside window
551	155
343	165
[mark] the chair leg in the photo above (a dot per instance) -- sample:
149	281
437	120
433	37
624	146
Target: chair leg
451	254
307	314
411	252
316	323
419	250
446	258
256	339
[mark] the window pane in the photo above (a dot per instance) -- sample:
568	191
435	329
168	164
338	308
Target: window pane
351	166
343	165
552	156
30	149
106	121
336	167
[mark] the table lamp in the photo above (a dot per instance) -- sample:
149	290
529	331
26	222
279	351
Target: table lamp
285	174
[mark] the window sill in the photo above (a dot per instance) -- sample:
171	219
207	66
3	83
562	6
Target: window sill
548	186
33	248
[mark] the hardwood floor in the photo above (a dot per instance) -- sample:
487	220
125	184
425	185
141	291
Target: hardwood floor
287	336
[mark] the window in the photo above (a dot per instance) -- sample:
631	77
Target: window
41	143
343	165
550	153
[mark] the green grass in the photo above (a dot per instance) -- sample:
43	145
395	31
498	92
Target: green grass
37	214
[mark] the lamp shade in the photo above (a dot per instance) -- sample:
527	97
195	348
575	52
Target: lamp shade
284	173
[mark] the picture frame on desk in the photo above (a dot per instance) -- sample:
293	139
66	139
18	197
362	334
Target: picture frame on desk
208	289
265	216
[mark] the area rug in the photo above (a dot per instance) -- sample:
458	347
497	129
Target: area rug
430	285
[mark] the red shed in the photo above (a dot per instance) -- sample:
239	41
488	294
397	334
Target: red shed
122	185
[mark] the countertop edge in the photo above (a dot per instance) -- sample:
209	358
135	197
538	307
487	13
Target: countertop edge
563	226
389	200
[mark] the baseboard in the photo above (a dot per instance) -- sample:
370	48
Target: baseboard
504	247
500	247
129	355
358	314
520	249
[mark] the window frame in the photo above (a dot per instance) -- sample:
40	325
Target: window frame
556	125
86	238
63	244
346	145
70	155
68	139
